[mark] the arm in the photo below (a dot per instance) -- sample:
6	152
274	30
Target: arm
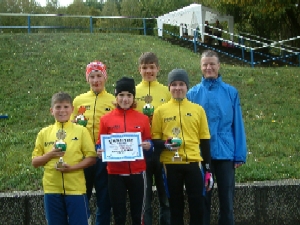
205	152
42	160
147	143
206	163
86	162
240	151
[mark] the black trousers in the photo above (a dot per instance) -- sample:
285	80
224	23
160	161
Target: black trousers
190	176
135	185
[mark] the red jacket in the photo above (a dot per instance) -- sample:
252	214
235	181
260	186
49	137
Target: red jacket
120	121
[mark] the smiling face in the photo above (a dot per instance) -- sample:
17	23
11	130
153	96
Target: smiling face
97	81
210	67
62	111
178	89
149	71
125	99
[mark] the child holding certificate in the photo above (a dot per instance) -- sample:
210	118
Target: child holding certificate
126	175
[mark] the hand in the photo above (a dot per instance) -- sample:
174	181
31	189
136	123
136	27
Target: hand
238	164
99	153
65	168
209	181
146	145
56	153
170	146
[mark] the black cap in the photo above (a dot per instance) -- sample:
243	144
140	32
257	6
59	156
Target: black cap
178	75
125	84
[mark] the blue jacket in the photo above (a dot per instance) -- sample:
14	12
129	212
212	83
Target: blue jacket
222	106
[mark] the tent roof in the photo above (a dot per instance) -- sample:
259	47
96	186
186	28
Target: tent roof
184	15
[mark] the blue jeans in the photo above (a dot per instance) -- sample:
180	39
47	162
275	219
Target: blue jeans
66	209
96	175
154	169
224	173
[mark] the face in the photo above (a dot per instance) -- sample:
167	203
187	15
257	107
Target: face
125	99
178	89
210	67
149	71
97	81
62	111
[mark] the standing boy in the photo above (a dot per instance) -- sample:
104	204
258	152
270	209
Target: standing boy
149	95
228	140
92	105
180	128
64	185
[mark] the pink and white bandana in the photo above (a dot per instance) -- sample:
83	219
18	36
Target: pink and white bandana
95	67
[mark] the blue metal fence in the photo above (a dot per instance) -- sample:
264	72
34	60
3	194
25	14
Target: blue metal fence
91	27
292	52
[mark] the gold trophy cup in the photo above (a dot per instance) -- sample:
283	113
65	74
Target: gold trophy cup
176	141
148	108
60	144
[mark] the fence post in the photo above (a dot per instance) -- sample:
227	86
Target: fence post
28	21
243	48
252	57
145	26
195	40
91	24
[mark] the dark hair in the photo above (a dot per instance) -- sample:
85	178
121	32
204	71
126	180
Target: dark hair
61	97
148	58
209	53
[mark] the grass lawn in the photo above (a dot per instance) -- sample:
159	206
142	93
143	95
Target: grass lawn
34	66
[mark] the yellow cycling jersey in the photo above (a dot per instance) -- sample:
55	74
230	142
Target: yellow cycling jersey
96	106
79	145
160	94
191	119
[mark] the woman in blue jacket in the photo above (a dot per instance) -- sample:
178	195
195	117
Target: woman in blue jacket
228	140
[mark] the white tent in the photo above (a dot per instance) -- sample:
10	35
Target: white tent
192	17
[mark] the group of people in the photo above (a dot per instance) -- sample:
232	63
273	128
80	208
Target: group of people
188	136
217	31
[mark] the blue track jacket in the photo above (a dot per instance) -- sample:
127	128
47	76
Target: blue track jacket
222	106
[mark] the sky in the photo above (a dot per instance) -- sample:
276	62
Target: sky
61	2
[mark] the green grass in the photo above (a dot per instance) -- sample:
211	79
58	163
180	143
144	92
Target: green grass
34	66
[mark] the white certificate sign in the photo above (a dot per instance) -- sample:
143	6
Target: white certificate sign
122	147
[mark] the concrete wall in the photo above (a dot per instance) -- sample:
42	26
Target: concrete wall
259	203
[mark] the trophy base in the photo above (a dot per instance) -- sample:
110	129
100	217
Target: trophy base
59	165
177	159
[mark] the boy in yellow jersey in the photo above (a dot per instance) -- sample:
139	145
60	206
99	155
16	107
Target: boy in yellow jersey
65	200
150	94
90	106
180	128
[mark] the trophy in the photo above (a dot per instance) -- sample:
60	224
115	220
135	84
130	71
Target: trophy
60	163
148	109
176	141
80	118
60	144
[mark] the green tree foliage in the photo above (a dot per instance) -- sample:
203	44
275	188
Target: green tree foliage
271	19
111	8
128	10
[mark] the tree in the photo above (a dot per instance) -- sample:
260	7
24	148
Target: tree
271	19
111	8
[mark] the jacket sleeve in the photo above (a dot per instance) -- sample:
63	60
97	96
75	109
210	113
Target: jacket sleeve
102	130
240	152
